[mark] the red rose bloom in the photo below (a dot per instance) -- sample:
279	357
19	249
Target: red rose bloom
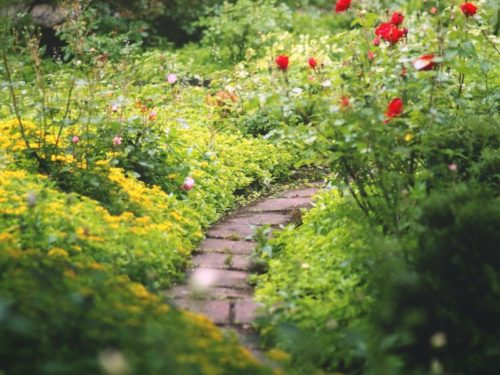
389	32
312	62
397	18
342	6
344	102
282	62
469	9
395	108
425	62
382	29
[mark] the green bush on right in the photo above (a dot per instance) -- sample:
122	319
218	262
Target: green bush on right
440	314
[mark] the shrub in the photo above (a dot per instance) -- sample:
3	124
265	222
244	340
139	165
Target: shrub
241	26
469	146
441	311
315	289
61	317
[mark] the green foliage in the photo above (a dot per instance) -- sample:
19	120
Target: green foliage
57	317
469	144
441	310
238	30
315	289
375	280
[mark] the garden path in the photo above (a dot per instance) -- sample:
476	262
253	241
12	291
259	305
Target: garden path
217	285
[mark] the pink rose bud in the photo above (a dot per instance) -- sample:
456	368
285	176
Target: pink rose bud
152	115
115	108
453	167
117	141
188	184
172	78
376	41
434	10
75	139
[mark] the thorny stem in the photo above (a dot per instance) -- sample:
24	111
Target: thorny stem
490	41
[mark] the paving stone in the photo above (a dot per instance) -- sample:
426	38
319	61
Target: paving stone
216	311
255	218
226	246
240	262
219	267
299	193
231	231
279	205
230	293
220	293
245	312
222	261
223	278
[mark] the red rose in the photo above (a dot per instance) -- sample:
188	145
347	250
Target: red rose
382	29
312	62
389	32
425	62
344	102
397	18
282	62
395	108
342	5
469	9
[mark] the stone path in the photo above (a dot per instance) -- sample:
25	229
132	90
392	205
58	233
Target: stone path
217	285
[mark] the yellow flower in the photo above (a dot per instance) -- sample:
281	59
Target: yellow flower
96	266
278	355
6	237
58	252
409	137
140	291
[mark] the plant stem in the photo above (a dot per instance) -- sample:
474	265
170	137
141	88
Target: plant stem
13	97
490	41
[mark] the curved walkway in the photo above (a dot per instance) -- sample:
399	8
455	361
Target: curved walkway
217	285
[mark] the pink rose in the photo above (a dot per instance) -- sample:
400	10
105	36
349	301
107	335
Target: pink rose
188	184
172	78
117	141
75	139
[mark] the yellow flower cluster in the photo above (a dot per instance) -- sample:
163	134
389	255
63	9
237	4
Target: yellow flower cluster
151	198
58	252
11	138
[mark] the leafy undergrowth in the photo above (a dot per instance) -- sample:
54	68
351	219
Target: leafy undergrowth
100	213
73	316
315	288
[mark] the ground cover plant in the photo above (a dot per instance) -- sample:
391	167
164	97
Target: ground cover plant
120	150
